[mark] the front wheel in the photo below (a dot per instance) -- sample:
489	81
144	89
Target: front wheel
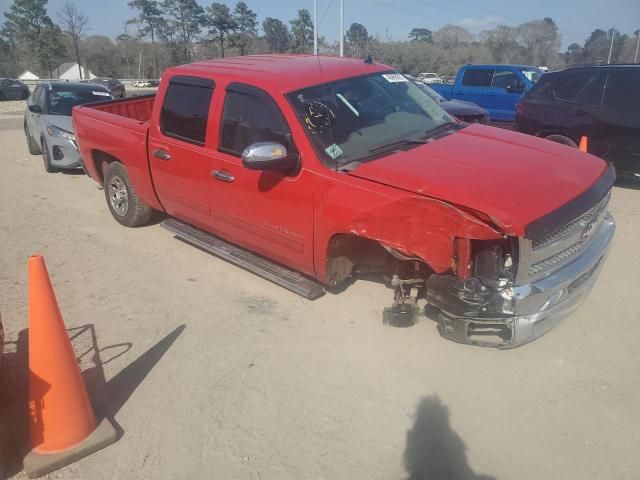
46	157
122	199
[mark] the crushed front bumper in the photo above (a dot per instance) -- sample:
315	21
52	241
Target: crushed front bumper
473	313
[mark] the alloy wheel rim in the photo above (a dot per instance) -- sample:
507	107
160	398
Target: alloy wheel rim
118	196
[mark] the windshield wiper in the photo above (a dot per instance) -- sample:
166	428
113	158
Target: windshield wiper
397	142
440	127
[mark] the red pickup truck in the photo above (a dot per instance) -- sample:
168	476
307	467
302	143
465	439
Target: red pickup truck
310	170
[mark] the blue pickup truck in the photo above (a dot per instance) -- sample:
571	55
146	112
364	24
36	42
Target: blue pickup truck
496	88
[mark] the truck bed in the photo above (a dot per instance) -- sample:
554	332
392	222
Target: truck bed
136	108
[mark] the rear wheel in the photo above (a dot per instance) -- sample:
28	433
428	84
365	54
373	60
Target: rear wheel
564	140
46	157
122	199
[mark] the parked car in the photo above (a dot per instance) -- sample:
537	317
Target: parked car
429	78
47	121
115	86
448	79
465	111
11	89
600	102
154	83
141	83
496	88
309	183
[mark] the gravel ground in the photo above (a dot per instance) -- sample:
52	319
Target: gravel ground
12	108
211	372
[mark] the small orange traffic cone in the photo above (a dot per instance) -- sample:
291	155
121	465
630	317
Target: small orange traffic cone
62	425
584	144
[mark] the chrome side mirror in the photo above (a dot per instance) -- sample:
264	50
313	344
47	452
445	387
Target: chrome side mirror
269	156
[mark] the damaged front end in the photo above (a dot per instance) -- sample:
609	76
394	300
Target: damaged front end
500	306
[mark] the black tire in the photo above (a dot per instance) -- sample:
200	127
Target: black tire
122	199
562	139
33	146
46	157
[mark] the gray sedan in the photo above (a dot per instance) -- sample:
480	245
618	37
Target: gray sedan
47	121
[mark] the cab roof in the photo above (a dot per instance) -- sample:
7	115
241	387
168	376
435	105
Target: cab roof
284	73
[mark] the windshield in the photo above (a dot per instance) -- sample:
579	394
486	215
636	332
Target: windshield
435	96
60	102
532	74
348	120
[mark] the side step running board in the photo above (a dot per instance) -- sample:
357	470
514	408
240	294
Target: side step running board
289	279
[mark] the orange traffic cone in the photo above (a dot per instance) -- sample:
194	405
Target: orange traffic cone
62	425
584	144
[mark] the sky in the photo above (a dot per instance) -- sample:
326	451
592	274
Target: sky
393	19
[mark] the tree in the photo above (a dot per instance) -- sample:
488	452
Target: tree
247	28
151	22
574	55
222	23
302	32
503	44
540	40
29	30
357	39
74	22
276	34
596	47
451	36
185	19
421	35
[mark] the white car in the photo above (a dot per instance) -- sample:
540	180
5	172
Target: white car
140	83
429	78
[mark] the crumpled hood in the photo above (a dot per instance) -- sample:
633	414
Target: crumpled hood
511	177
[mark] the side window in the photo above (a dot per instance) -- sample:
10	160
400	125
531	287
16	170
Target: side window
477	77
591	94
504	78
5	83
569	88
622	91
185	111
250	116
39	98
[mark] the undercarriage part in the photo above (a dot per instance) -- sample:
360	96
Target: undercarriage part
284	277
404	311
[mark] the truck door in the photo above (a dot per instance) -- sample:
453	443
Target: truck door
268	212
475	86
506	89
179	157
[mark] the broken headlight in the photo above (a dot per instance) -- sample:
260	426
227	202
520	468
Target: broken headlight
495	262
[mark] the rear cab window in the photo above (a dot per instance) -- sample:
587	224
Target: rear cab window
477	77
506	78
250	115
185	111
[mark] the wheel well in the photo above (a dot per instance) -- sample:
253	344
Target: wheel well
557	131
348	254
101	160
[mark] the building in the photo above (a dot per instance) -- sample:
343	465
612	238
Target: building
70	71
28	75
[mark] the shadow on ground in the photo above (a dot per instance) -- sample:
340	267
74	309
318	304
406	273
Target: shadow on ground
434	451
107	398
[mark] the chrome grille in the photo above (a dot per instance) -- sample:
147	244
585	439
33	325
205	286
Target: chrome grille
549	263
579	223
545	255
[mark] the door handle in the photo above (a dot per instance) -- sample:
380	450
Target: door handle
162	154
223	175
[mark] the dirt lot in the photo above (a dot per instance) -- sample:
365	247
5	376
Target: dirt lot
211	372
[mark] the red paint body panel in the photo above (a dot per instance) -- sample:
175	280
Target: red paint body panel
416	201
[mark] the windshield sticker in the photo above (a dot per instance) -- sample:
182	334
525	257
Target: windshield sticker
346	102
394	77
101	94
334	151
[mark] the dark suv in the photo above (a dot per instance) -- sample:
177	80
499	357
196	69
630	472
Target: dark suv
599	102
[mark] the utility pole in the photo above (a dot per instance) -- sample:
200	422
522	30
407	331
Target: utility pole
342	28
315	27
613	36
635	59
